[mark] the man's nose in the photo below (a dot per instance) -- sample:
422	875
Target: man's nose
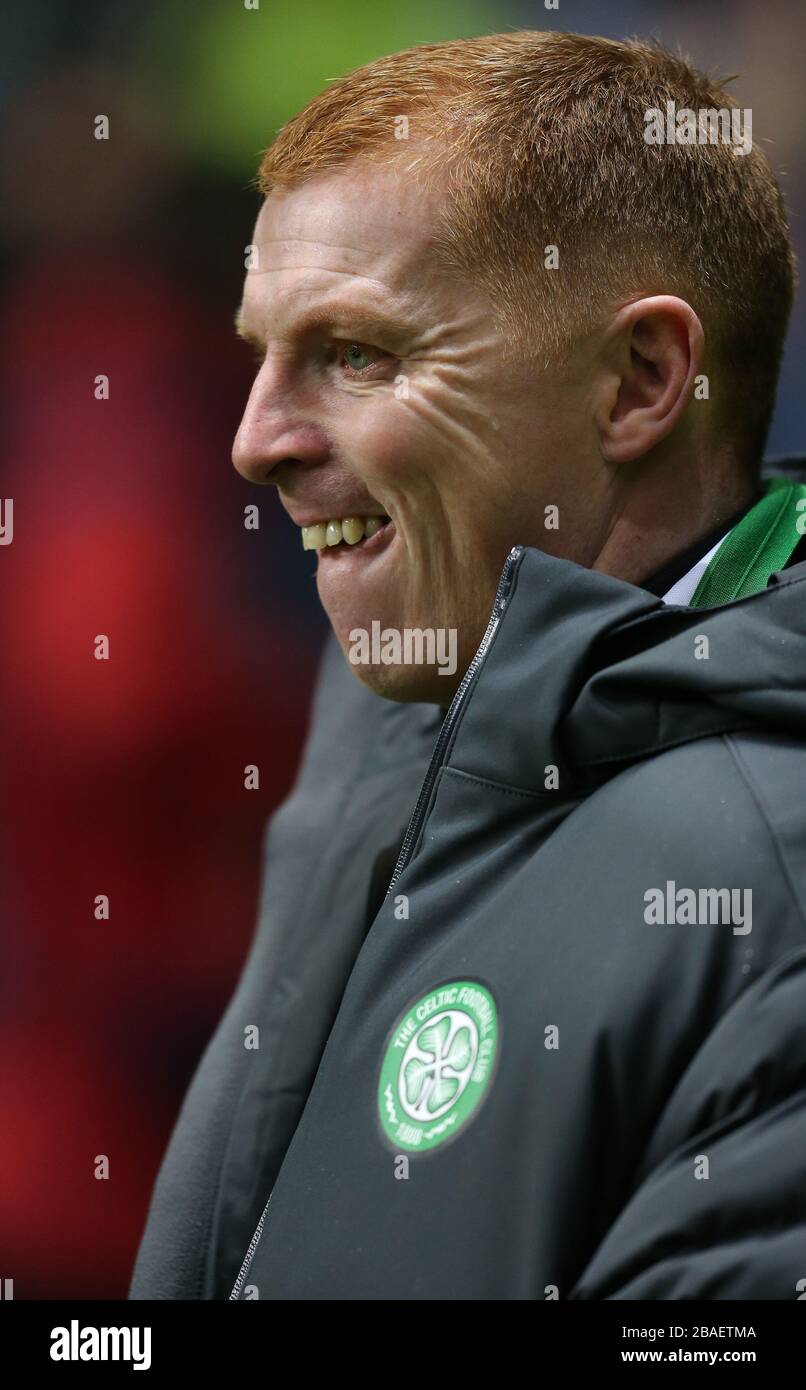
274	430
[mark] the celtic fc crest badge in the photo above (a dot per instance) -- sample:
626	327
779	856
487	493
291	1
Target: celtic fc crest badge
437	1066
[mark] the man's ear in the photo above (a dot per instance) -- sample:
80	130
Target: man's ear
653	353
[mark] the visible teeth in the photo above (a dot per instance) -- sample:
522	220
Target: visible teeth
313	537
351	529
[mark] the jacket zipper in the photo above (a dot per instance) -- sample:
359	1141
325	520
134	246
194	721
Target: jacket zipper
501	595
415	824
244	1270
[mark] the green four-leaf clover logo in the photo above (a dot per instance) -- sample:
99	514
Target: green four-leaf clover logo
437	1065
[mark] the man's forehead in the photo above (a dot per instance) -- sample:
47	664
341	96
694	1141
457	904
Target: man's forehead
359	240
374	223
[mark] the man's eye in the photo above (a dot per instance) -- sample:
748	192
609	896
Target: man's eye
358	358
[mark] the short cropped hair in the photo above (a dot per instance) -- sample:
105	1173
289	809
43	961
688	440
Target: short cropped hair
541	140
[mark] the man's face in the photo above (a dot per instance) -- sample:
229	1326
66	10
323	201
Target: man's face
382	394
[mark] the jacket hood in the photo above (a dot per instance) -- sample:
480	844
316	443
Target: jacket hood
599	673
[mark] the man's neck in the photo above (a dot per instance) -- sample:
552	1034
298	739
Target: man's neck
662	580
670	512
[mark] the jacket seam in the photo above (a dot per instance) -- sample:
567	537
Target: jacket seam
721	730
758	801
507	788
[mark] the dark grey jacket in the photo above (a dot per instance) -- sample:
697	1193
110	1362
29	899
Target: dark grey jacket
642	1130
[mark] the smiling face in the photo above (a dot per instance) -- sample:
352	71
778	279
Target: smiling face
396	435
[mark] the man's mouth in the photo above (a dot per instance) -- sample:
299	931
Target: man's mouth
343	533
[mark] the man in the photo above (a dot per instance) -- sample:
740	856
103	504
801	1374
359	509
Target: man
522	1017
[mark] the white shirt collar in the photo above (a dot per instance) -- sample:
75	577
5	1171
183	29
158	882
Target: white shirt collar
683	591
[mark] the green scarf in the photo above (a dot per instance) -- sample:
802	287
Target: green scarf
760	545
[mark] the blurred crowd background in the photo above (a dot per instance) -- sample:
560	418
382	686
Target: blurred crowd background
125	257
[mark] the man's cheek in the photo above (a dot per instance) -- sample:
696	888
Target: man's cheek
387	447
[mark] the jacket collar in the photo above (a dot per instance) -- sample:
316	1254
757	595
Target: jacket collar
586	674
